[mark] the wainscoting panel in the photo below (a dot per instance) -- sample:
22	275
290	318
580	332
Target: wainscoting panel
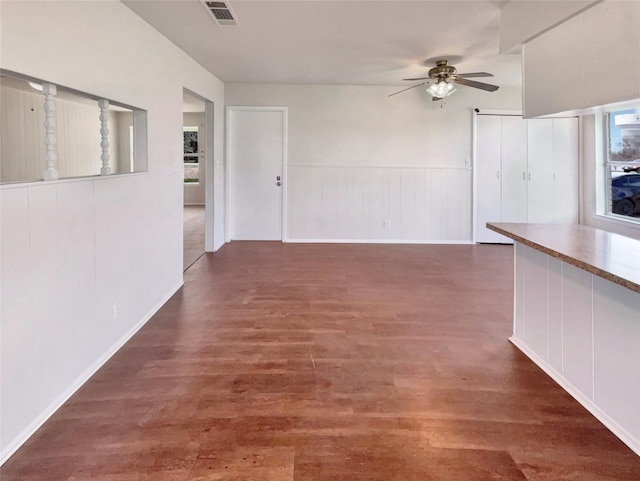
392	204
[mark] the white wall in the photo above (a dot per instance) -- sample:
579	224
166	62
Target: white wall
357	158
120	127
22	133
70	250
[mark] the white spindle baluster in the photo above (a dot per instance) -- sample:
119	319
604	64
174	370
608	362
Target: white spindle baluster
104	133
51	155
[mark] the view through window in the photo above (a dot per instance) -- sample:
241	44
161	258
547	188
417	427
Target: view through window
623	162
191	155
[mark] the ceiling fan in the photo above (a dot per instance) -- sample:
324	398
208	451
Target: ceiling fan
442	77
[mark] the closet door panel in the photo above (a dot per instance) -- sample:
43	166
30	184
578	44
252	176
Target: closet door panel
514	169
488	139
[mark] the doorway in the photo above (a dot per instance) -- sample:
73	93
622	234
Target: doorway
256	149
197	132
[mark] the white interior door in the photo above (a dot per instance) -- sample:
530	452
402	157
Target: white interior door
257	149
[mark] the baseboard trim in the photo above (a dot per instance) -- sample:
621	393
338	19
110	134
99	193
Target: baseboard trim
375	241
83	378
588	404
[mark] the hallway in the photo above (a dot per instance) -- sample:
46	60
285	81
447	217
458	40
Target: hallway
325	363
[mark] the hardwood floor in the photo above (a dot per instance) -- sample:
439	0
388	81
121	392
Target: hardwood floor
193	228
323	363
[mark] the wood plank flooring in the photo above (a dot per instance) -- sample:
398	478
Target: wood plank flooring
280	362
193	240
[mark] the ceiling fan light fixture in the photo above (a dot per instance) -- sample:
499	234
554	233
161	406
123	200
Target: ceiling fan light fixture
441	89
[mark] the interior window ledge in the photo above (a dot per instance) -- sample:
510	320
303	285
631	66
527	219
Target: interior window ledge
88	178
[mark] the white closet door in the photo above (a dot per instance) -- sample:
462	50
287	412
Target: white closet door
541	202
488	175
514	169
565	172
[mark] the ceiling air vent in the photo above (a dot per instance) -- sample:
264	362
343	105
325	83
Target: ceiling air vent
222	13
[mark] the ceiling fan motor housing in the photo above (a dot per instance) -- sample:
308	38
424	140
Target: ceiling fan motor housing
441	70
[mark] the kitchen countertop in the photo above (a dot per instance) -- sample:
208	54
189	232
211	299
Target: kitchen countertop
613	257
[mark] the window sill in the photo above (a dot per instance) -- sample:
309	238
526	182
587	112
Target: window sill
621	219
617	224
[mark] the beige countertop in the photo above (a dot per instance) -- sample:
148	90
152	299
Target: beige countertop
611	256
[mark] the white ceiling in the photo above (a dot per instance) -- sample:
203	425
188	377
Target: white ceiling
357	42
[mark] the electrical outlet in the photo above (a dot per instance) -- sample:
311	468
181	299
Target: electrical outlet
386	224
117	310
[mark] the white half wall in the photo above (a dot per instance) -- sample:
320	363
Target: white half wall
358	158
582	330
73	250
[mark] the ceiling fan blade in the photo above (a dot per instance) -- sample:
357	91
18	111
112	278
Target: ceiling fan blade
404	90
414	79
473	74
477	85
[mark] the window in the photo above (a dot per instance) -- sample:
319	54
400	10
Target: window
191	155
52	132
622	163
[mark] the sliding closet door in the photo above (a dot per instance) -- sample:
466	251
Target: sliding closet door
514	169
488	175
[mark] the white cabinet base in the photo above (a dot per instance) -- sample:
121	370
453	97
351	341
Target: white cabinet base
584	332
601	415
